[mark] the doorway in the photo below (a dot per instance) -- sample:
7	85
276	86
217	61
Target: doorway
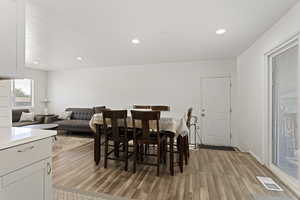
216	111
284	107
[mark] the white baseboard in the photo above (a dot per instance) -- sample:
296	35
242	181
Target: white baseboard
256	157
279	175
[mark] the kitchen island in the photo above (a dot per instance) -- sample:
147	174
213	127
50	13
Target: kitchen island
25	164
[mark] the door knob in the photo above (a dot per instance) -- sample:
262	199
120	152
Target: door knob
49	169
202	115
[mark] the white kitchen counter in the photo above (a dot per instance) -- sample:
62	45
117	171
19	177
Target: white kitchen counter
10	137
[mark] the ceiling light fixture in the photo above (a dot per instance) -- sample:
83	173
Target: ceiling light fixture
221	31
135	41
79	58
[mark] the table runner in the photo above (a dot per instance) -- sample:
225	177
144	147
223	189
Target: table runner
177	126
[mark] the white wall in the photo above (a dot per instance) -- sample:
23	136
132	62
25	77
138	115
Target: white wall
40	87
252	92
174	84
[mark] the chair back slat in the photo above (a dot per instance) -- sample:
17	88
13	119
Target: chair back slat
160	108
118	119
141	107
145	117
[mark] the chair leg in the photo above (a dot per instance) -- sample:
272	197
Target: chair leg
135	156
106	152
180	150
185	149
164	152
126	155
158	159
142	152
97	146
172	156
116	149
124	148
188	146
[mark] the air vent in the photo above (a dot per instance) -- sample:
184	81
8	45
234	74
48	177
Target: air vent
269	183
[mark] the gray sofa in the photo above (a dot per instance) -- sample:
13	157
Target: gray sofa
79	121
16	116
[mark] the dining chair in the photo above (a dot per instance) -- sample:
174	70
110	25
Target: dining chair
143	135
115	129
160	108
141	107
97	137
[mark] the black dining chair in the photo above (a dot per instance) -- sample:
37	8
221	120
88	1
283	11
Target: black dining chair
146	135
115	130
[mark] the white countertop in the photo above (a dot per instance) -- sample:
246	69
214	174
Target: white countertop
10	137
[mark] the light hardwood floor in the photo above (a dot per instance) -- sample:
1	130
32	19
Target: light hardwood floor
210	175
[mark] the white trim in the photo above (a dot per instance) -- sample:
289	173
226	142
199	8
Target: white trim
293	185
256	157
267	120
283	44
32	91
289	181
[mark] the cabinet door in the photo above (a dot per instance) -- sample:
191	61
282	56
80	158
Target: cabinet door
12	37
27	183
8	36
5	104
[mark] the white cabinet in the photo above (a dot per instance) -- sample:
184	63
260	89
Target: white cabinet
12	38
5	104
24	176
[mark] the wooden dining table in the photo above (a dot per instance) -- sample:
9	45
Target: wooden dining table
169	122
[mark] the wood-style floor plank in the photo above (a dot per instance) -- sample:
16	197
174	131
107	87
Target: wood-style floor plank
210	175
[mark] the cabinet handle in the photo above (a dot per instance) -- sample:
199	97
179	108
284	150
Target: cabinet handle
26	149
49	169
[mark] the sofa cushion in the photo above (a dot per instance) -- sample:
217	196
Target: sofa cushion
16	114
20	124
27	117
73	124
66	115
81	113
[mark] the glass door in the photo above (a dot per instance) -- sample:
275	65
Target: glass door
285	107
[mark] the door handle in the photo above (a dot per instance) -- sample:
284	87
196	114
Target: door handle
26	149
49	169
203	115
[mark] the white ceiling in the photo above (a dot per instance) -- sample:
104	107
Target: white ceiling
100	31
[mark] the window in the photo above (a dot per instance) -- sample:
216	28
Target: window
22	93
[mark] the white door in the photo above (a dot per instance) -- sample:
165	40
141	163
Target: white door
215	111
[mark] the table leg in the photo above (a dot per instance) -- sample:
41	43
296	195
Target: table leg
185	144
172	156
97	145
180	149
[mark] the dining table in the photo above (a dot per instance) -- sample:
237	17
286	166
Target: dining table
169	122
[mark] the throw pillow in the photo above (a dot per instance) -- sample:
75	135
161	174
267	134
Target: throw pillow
66	115
27	117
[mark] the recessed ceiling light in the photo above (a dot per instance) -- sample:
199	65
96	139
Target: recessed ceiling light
36	62
79	58
221	31
135	41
